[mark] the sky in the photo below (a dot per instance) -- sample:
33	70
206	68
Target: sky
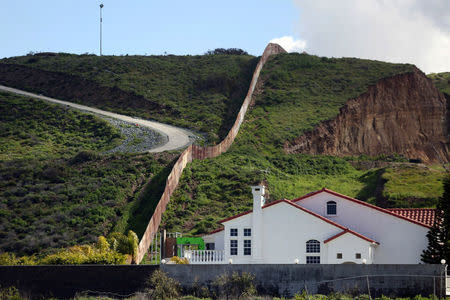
406	31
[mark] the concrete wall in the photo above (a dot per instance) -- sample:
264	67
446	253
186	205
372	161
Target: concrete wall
197	152
401	241
283	280
286	280
65	281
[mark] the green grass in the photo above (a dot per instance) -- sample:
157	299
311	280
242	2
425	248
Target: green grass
56	189
31	128
202	92
413	186
300	91
441	81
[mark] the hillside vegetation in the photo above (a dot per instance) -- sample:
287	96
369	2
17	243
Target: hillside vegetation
202	92
56	188
299	92
441	81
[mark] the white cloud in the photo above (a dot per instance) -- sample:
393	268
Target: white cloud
290	44
406	31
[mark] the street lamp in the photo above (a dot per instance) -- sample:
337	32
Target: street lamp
101	20
443	277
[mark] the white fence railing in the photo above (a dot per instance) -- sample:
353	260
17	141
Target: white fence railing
205	256
447	285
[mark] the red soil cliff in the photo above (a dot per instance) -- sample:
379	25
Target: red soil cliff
404	114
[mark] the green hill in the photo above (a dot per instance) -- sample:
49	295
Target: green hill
441	81
299	92
70	193
56	188
202	92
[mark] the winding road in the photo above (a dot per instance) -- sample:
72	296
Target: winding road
177	138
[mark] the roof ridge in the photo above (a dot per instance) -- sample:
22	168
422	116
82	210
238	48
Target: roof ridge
362	203
412	208
348	230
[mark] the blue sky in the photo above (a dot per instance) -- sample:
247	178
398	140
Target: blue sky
142	27
401	31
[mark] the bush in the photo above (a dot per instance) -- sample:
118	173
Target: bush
180	260
229	51
84	254
125	244
237	285
163	287
10	293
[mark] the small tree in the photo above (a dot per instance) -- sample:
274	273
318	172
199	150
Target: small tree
439	235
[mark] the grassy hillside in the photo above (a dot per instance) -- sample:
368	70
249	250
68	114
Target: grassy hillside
56	188
299	92
34	129
441	81
198	92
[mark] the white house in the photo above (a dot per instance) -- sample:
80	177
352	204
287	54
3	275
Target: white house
321	227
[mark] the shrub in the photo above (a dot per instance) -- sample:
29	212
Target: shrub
180	260
10	293
237	285
84	156
164	287
125	244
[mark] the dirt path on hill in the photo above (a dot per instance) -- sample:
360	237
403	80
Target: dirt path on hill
175	137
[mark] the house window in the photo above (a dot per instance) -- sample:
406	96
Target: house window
313	259
247	247
358	255
233	247
339	255
233	232
210	246
247	232
331	208
312	246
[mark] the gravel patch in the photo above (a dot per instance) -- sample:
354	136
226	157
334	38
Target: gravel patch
137	138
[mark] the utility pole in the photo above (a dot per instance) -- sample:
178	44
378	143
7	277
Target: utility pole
101	20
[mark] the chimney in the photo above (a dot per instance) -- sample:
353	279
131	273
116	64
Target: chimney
257	222
258	197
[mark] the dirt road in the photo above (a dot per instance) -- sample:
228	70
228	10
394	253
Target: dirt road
177	138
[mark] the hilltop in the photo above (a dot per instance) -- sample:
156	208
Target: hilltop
202	92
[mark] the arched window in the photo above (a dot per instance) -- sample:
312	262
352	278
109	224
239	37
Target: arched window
312	246
331	208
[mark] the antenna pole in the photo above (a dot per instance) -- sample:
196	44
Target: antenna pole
101	21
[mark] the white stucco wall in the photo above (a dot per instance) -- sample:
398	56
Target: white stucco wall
401	241
286	230
349	244
216	238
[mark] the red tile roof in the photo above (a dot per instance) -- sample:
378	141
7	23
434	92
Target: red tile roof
398	215
421	215
347	230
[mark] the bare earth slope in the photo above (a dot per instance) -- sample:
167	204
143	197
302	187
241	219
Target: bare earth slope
403	114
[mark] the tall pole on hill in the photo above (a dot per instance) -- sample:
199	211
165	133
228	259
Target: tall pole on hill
101	21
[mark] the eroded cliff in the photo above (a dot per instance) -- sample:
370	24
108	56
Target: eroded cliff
403	114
